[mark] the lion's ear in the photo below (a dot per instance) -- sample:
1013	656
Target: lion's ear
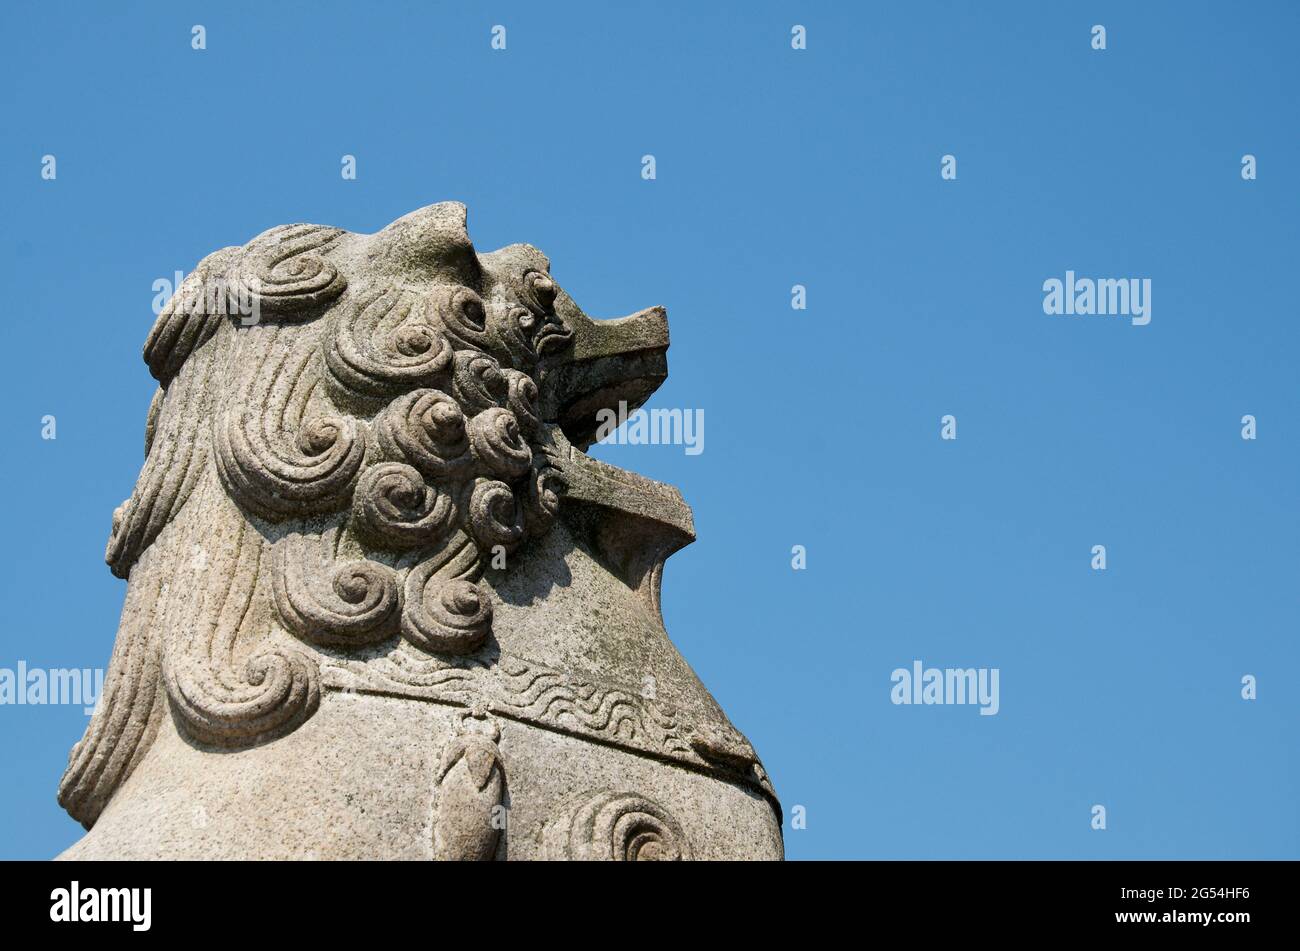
432	242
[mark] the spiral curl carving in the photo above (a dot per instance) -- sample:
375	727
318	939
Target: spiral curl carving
393	507
477	382
282	273
278	688
513	329
427	429
498	444
294	475
383	346
496	515
345	604
443	476
524	400
545	489
618	827
460	314
445	615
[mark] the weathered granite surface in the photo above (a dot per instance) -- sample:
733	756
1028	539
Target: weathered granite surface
380	602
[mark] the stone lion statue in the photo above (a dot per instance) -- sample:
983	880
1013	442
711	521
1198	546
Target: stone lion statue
380	603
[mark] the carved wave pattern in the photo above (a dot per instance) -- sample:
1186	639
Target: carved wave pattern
525	690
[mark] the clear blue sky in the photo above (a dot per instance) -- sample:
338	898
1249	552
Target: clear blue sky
775	167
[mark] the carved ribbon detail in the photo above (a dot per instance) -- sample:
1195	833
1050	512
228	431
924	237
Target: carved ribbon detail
468	817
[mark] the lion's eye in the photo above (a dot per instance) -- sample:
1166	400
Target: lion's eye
472	308
526	321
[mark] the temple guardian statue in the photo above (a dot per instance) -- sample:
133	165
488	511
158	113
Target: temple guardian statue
380	602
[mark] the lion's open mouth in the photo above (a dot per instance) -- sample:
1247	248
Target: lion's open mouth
615	366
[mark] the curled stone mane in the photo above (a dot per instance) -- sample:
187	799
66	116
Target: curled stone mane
422	454
381	439
356	441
